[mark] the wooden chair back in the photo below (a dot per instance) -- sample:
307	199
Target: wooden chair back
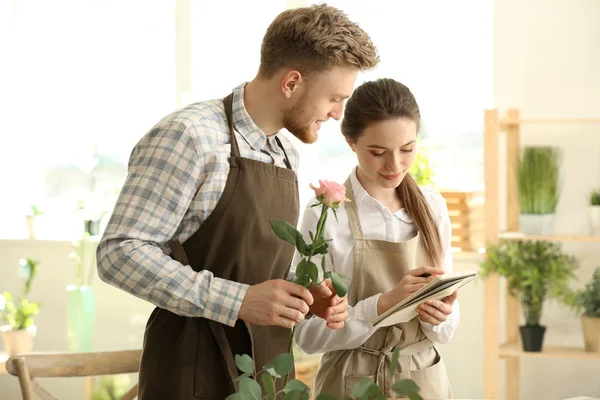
28	367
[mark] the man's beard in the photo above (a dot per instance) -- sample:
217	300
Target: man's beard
298	122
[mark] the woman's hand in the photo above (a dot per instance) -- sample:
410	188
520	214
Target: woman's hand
412	281
437	311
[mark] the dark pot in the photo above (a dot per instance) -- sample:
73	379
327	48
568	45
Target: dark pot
92	226
532	337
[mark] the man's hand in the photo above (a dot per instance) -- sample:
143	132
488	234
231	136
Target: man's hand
412	281
435	311
275	302
328	305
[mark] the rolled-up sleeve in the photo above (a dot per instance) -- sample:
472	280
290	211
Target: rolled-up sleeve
165	171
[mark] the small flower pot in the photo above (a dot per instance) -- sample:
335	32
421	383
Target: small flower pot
537	224
594	218
532	337
18	341
591	333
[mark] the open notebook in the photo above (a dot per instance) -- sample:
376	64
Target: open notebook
440	287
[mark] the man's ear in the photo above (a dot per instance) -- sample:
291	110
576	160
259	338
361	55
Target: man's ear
291	82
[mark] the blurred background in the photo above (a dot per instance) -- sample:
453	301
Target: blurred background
81	81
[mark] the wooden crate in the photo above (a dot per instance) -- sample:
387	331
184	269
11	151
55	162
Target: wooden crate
466	217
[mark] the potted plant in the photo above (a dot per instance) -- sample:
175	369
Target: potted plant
110	387
422	170
249	387
535	271
587	303
80	295
538	181
32	215
17	313
594	211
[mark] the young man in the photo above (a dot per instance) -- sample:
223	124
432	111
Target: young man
190	231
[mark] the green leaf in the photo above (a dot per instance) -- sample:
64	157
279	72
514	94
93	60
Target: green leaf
326	396
303	280
338	284
395	355
326	274
361	387
268	385
301	268
281	365
405	386
293	395
250	387
244	375
414	396
312	271
301	245
374	393
287	232
234	396
335	214
244	363
302	276
293	385
323	249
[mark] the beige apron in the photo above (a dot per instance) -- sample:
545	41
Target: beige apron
378	267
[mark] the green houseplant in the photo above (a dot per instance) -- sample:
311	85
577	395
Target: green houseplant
17	313
249	387
110	387
422	169
33	213
535	271
587	303
539	189
594	212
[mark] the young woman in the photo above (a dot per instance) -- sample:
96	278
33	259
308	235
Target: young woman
387	237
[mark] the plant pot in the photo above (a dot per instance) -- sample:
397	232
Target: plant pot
81	317
537	224
594	218
18	341
591	333
532	337
92	226
31	225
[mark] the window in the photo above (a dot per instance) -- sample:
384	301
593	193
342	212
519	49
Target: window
443	52
84	81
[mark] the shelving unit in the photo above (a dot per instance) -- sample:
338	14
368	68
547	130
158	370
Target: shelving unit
511	351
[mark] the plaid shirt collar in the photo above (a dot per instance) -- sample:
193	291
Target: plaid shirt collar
244	124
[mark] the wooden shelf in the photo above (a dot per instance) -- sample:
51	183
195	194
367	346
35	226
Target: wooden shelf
551	238
549	121
515	349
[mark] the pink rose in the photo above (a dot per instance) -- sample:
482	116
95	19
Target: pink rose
329	193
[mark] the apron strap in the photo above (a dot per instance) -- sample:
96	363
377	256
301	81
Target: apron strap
228	104
286	160
387	353
352	211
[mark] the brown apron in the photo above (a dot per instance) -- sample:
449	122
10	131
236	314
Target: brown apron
193	358
378	267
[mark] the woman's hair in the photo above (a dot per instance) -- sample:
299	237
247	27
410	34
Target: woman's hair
382	100
313	39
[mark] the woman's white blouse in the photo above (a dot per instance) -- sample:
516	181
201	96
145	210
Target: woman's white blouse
378	223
